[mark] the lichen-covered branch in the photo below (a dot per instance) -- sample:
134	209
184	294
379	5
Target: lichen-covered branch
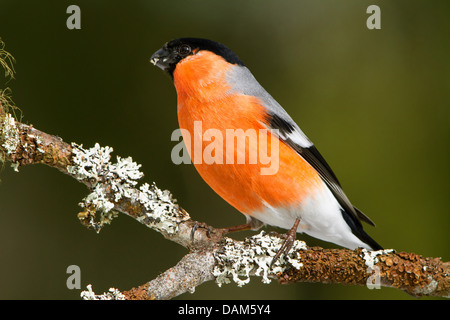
409	272
191	271
114	187
237	261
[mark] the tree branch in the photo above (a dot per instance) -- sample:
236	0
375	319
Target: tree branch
113	188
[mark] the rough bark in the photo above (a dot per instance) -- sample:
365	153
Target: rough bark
113	188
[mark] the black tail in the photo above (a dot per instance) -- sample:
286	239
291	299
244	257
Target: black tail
357	229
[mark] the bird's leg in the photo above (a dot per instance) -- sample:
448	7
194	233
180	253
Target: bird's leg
288	242
252	224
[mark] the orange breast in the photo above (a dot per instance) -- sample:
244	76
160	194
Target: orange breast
205	97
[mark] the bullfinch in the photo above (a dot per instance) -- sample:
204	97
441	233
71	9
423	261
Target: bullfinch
217	93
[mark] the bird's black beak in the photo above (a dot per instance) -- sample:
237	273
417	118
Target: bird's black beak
161	59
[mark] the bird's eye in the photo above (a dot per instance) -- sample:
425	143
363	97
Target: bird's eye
184	49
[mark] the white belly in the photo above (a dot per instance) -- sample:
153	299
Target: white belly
320	217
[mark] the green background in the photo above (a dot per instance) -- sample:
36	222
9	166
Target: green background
375	103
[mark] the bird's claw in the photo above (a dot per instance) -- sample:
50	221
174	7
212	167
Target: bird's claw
202	225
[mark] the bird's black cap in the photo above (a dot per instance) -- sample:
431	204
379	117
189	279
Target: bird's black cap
176	50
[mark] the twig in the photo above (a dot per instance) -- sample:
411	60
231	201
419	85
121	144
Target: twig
114	188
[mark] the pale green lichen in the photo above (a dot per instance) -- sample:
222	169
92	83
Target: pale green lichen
240	260
113	182
112	294
370	257
94	166
9	134
9	138
162	212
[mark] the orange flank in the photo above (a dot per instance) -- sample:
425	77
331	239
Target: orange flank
205	96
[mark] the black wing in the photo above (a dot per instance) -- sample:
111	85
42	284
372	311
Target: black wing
286	129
